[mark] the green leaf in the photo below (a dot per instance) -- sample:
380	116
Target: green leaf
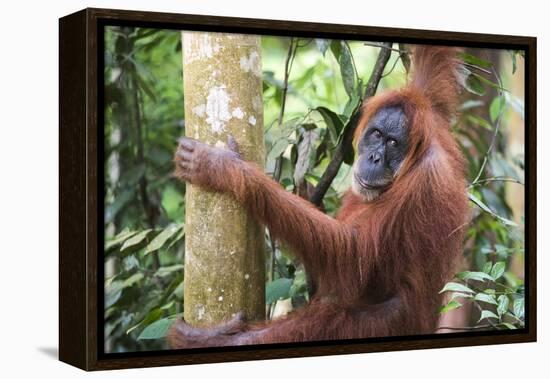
514	61
336	49
177	238
153	315
157	329
118	240
277	149
474	85
452	286
347	70
352	105
498	269
519	307
113	291
313	179
508	325
132	280
130	262
333	122
487	314
474	275
469	58
168	270
456	295
277	290
485	298
475	120
161	238
135	242
487	267
168	305
485	208
322	45
490	83
503	302
469	104
306	155
496	107
450	306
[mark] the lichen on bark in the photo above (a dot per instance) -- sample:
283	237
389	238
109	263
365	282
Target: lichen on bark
224	246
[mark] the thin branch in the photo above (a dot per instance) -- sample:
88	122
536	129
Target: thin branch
392	67
497	127
288	66
353	64
476	67
405	56
495	179
488	319
386	47
292	47
349	129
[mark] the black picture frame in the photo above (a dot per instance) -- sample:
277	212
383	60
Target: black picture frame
81	186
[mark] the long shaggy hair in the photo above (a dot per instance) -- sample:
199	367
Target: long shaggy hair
379	266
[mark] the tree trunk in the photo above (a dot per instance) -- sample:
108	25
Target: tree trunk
224	246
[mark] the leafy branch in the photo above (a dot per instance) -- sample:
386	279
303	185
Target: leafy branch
349	130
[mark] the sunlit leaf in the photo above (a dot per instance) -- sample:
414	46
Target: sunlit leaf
457	295
487	314
498	269
312	179
485	298
474	275
450	306
118	239
503	302
519	307
453	286
162	238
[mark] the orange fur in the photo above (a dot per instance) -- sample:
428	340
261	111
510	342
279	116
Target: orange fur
379	265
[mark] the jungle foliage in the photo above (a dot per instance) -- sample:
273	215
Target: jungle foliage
312	89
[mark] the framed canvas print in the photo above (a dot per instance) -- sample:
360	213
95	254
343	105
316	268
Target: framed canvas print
237	189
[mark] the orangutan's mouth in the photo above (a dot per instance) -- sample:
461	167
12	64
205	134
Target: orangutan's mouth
372	187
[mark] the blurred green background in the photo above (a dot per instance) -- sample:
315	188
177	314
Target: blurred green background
145	207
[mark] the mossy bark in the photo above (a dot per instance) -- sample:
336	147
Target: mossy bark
224	246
